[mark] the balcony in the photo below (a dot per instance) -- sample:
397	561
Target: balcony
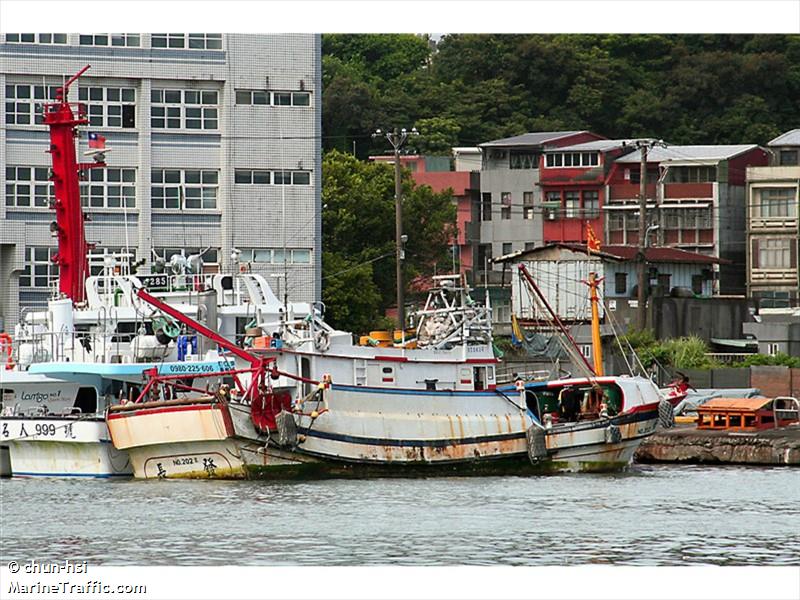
688	190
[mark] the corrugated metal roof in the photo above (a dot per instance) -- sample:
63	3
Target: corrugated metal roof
688	153
790	138
535	138
622	253
735	403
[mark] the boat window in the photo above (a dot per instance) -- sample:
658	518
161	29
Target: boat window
479	376
388	370
86	400
305	372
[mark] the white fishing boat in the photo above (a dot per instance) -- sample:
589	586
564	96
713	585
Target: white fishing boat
95	340
425	406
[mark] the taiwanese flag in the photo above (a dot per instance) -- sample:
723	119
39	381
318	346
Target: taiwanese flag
97	141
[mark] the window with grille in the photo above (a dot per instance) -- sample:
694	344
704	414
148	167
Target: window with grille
775	253
505	205
109	106
527	205
109	188
572	204
184	109
184	189
486	206
28	186
519	159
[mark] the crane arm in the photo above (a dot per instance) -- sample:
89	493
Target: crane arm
198	327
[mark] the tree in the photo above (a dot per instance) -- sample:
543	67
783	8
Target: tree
437	135
358	237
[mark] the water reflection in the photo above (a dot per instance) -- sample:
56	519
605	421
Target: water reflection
661	515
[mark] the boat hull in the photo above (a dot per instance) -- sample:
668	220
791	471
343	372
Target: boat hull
204	440
62	447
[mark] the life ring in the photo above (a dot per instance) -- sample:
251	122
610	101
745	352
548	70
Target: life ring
6	346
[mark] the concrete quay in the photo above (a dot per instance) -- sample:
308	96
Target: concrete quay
687	444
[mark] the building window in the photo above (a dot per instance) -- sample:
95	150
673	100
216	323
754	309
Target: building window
620	283
775	253
664	280
196	41
692	174
552	205
505	205
773	348
776	202
110	107
210	256
187	109
484	257
40	270
41	38
110	39
262	177
296	256
519	159
486	212
530	245
28	186
634	175
508	248
572	204
591	204
189	189
24	102
266	98
616	221
527	205
788	158
168	40
572	159
109	188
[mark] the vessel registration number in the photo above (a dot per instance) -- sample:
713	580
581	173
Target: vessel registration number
204	367
37	429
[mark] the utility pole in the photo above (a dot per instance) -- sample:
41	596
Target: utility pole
644	146
397	139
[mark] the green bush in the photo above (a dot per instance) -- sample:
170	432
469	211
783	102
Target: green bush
780	359
678	353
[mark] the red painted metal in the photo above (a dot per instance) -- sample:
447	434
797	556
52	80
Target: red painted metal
72	247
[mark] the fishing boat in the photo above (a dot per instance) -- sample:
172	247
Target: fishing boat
95	340
427	405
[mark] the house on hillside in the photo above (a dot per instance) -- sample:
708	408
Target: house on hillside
773	235
697	200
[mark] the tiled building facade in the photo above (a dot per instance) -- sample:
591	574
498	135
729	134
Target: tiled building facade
215	145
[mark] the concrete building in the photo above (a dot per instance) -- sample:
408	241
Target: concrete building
773	235
215	145
697	197
510	209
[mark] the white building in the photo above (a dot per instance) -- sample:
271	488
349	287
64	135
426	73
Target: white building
215	144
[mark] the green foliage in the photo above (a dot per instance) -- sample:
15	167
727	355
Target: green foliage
678	353
358	229
686	89
437	136
780	359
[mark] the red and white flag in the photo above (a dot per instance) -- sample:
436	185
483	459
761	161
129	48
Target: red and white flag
97	141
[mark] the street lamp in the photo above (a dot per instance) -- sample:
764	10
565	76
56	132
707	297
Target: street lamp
397	139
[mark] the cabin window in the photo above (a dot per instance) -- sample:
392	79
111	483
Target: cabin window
387	375
305	372
86	400
465	377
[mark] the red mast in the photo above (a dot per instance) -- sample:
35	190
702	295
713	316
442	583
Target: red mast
72	247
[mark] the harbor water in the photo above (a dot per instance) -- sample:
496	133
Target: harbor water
649	515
